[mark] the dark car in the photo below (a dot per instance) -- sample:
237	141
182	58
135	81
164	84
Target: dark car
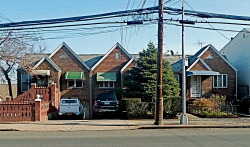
244	104
106	102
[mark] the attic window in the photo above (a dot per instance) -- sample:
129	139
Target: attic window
210	56
244	35
63	55
117	55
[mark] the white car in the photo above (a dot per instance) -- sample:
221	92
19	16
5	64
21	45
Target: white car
70	107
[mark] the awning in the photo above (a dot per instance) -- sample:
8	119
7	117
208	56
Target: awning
106	76
199	73
41	72
74	75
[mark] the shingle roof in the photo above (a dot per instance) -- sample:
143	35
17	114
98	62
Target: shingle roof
177	66
92	59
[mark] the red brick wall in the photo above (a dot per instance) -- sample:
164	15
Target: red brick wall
17	112
110	64
216	63
41	110
71	64
199	66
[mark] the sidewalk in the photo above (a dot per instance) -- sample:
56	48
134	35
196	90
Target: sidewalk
116	124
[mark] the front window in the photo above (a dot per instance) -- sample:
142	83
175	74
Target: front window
42	82
177	78
106	84
26	80
220	81
75	83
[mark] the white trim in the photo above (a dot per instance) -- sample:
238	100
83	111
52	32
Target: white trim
71	51
226	86
202	61
50	62
125	66
74	86
29	81
105	56
205	64
217	52
109	87
196	86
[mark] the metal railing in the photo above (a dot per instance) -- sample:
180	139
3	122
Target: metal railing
213	111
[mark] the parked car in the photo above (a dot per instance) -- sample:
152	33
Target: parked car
71	106
244	104
106	102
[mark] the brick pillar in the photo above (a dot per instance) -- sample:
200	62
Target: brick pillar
8	99
33	85
53	95
38	103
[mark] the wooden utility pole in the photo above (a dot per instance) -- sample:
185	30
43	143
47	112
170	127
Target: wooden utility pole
159	96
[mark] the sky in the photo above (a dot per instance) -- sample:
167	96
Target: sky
132	38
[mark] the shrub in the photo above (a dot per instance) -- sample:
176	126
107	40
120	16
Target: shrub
171	106
211	107
202	105
136	108
218	100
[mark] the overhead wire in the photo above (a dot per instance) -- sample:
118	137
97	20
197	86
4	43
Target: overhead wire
219	31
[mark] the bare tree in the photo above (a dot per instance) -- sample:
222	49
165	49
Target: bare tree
13	48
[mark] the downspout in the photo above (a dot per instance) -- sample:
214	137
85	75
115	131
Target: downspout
121	80
90	96
236	84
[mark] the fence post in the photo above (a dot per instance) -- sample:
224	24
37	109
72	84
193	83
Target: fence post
38	103
8	99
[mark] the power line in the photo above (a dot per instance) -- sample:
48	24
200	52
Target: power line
79	18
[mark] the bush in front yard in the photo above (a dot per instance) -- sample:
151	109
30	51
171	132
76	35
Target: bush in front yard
218	100
136	108
171	106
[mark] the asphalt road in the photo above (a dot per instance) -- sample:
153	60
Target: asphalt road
128	138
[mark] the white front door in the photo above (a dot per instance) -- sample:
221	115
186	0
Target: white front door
195	86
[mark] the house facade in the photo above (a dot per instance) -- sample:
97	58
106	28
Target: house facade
208	72
237	52
76	75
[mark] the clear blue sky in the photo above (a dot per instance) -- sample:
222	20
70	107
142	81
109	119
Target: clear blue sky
135	38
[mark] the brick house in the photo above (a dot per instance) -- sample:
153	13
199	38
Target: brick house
76	75
208	72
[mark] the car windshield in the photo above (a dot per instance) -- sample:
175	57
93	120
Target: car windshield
106	97
246	97
69	101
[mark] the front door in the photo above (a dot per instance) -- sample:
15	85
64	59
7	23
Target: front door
195	86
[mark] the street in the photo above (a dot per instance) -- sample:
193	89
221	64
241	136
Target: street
161	137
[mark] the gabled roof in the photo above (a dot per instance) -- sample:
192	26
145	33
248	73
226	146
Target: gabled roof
129	62
192	60
106	55
71	51
50	62
246	30
202	61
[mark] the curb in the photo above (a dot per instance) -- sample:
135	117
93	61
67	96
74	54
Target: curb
9	130
191	126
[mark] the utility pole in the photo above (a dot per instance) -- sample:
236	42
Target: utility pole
159	96
184	118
